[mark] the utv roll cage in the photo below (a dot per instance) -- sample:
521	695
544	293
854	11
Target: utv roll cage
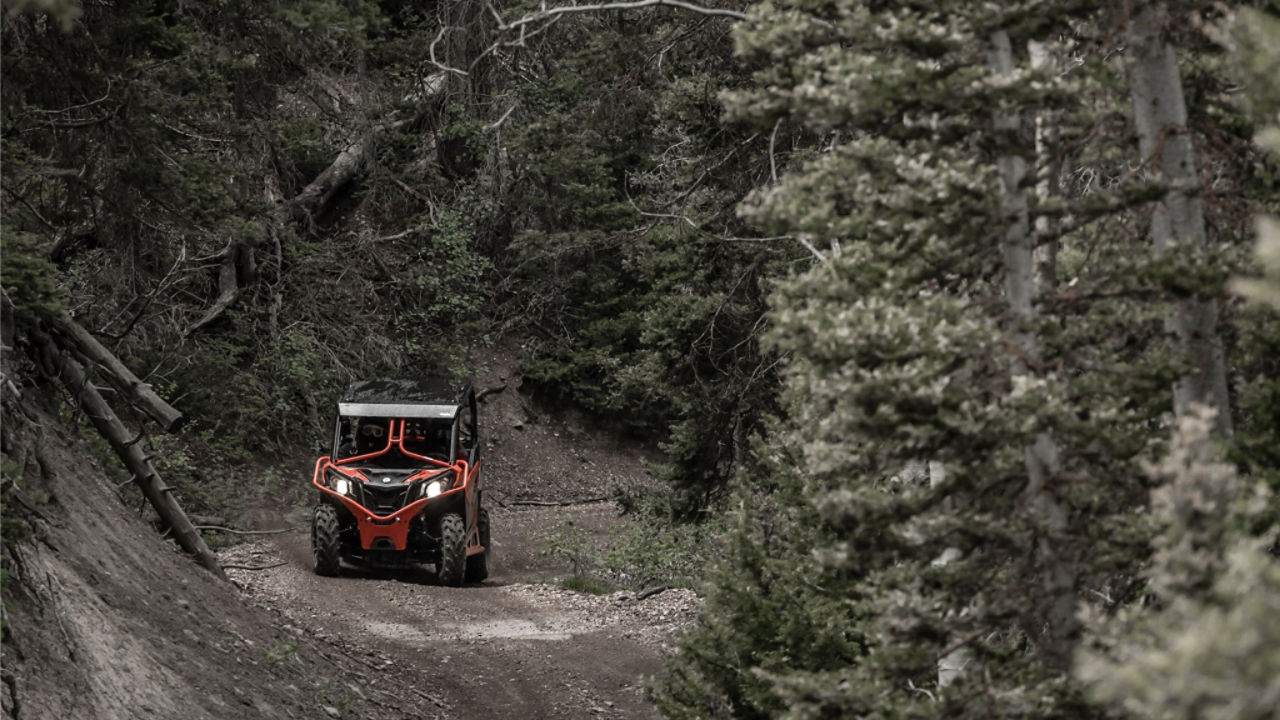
402	483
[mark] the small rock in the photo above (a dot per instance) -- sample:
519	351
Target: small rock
332	711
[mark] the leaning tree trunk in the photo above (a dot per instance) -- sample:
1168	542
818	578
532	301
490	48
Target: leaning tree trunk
61	365
1160	114
120	375
1053	560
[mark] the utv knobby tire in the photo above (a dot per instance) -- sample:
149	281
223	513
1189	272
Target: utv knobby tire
325	547
453	550
478	564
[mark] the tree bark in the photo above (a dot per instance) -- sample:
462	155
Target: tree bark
1160	115
952	665
59	364
1055	566
139	392
1046	241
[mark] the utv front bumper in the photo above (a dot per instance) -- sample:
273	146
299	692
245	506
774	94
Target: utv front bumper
392	513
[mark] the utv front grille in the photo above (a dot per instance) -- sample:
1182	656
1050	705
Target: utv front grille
385	500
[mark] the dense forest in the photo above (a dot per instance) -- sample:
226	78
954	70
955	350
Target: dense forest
957	323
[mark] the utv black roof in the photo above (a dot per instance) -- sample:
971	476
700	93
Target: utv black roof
395	397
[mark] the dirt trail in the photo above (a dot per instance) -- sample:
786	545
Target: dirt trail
104	618
506	648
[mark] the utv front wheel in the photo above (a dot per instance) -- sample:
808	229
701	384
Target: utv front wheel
453	549
478	564
325	547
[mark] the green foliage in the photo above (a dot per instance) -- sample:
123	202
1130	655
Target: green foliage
650	315
1204	644
304	144
586	584
282	651
14	528
1258	436
655	549
29	279
569	544
769	612
660	551
902	349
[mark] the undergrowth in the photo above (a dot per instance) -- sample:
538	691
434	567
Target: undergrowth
657	550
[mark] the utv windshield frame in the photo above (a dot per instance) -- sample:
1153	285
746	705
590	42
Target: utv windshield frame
400	401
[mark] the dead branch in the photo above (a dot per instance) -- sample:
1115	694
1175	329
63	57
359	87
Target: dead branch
221	528
650	592
118	373
60	365
238	266
552	12
431	51
498	123
561	503
254	567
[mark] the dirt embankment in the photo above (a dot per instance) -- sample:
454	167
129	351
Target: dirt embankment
108	620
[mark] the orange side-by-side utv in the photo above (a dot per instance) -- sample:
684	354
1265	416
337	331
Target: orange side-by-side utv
403	485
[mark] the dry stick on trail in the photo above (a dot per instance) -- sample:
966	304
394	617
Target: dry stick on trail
58	364
561	503
254	567
279	531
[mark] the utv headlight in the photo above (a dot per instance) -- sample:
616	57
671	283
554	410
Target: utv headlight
436	484
339	482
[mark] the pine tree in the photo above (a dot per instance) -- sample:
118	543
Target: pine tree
928	336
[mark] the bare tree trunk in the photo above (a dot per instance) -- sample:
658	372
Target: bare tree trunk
61	365
951	666
139	392
1055	566
1046	241
1160	115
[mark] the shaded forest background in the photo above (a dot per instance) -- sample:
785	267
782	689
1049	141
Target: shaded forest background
773	239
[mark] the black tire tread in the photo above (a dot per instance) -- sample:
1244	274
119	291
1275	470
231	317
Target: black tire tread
325	543
453	549
478	564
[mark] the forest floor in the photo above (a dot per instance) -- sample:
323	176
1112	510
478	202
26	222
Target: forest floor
110	621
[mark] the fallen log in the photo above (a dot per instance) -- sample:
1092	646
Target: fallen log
60	365
118	373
